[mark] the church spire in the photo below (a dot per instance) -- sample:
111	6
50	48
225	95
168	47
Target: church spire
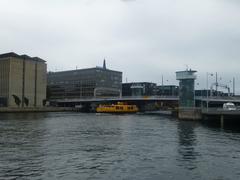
104	64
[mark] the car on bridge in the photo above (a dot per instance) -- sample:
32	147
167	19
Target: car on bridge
229	106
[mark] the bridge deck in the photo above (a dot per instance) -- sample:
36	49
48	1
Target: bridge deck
219	99
148	98
220	111
126	98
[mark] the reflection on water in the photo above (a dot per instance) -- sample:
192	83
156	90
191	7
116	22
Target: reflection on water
90	146
20	142
187	143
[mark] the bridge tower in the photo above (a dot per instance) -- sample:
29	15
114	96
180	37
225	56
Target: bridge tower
186	88
187	110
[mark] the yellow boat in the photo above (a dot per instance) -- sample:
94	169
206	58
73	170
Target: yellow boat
117	108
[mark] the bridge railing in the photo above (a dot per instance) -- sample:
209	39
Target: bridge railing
219	111
204	98
119	98
201	98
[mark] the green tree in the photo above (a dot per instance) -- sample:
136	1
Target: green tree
17	100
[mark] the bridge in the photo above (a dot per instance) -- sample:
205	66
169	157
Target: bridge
172	101
213	110
150	98
234	99
141	101
124	98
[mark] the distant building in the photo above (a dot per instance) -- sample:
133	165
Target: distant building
138	89
167	90
22	80
84	83
204	92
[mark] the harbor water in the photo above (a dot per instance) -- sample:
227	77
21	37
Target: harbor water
125	147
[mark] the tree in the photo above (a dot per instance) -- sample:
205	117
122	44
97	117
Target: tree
17	100
26	101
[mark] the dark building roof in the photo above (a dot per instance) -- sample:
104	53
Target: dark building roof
87	69
24	56
130	83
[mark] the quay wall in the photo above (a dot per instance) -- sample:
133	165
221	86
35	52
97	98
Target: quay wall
189	113
40	109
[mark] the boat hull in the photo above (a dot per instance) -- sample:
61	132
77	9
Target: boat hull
119	108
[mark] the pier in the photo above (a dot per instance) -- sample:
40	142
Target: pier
221	115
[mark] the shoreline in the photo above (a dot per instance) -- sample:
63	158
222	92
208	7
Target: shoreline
32	109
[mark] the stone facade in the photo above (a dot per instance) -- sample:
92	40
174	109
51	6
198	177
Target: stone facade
23	80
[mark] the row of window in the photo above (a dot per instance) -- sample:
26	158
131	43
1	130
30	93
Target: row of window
121	108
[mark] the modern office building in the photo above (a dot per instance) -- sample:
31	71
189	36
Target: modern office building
22	80
138	89
84	83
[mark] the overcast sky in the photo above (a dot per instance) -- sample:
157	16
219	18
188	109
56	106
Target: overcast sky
144	39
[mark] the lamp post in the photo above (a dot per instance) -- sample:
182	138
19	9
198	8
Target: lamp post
233	86
162	87
229	87
216	84
207	86
201	93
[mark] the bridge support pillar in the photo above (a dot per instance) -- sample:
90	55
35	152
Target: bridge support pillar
222	121
190	114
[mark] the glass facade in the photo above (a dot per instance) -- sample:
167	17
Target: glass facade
186	88
138	89
84	83
186	93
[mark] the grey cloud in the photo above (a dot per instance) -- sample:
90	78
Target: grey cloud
144	39
128	0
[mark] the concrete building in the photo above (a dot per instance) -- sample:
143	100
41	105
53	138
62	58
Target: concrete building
22	80
84	83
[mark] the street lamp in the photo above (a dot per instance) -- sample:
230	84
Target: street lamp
233	86
162	87
201	94
208	74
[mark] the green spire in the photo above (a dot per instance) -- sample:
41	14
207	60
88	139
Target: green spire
104	64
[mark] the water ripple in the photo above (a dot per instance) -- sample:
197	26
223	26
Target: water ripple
89	146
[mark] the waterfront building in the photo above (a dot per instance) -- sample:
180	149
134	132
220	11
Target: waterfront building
84	83
138	89
167	90
22	80
203	92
